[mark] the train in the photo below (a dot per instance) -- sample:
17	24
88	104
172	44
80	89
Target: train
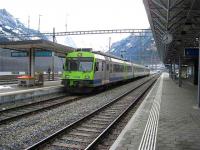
84	71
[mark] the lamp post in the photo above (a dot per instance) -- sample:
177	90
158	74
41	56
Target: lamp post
198	98
66	21
109	44
53	54
28	24
39	23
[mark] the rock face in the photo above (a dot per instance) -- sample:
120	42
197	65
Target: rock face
10	26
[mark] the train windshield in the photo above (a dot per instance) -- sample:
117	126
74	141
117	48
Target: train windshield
79	64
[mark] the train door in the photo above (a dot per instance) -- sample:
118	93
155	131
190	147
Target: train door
104	71
107	71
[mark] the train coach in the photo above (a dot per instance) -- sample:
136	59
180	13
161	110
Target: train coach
85	70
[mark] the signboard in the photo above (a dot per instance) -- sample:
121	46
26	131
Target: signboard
191	52
43	54
19	54
84	49
37	54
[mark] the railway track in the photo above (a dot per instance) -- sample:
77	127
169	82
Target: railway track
87	131
8	82
18	112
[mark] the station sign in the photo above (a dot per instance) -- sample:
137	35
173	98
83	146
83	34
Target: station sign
19	54
43	54
191	52
37	54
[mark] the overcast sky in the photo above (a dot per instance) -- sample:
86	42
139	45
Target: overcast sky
81	15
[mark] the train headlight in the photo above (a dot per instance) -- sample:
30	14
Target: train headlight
87	77
67	76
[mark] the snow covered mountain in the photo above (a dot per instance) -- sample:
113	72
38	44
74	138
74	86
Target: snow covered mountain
137	49
10	28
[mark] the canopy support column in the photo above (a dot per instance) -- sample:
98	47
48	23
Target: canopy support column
174	67
198	98
53	54
180	71
170	70
31	62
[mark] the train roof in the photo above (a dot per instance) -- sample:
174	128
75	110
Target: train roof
117	59
108	55
100	55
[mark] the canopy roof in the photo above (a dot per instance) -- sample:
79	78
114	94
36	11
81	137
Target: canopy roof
59	49
179	19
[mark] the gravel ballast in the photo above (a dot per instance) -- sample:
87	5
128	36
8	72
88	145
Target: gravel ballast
24	132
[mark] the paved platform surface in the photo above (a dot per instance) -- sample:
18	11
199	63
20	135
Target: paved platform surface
13	93
15	87
166	120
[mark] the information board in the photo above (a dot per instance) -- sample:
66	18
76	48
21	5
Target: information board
192	52
37	54
43	54
19	54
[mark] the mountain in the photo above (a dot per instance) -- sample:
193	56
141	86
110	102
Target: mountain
138	49
12	27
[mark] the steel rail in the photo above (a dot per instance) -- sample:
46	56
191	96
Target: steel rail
74	124
100	137
51	105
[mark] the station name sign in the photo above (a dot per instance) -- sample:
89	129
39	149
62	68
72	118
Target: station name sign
191	52
37	54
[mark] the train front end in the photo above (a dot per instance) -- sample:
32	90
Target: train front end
78	74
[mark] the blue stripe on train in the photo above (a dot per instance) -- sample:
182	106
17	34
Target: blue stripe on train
116	78
99	81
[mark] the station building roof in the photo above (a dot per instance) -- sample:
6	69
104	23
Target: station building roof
178	19
26	45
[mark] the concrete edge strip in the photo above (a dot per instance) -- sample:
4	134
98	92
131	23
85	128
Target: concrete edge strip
29	90
131	121
149	136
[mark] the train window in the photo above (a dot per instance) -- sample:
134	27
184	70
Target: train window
73	65
118	68
102	66
107	66
111	69
85	66
129	69
121	68
96	66
79	64
115	68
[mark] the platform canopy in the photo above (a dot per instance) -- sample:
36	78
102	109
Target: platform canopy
175	25
33	45
59	49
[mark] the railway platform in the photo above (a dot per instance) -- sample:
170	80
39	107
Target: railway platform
167	119
13	93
